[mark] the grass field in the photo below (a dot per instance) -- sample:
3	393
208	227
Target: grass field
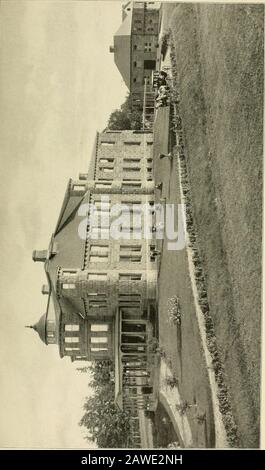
219	53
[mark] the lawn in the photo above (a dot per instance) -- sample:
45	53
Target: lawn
181	345
219	54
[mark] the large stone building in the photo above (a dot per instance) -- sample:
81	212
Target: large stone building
135	48
102	291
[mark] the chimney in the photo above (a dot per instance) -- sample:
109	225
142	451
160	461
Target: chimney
39	255
83	176
45	289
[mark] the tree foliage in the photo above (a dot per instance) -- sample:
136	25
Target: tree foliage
107	425
125	118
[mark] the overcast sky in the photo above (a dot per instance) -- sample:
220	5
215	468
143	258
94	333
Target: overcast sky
58	85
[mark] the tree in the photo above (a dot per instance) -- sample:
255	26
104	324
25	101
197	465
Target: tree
125	118
119	121
107	425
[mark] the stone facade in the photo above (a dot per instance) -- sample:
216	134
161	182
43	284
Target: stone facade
103	290
137	61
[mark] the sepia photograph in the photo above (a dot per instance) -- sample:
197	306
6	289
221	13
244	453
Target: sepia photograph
131	151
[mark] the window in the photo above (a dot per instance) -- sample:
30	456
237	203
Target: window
106	170
97	294
71	340
71	328
99	339
130	258
98	349
132	142
102	206
99	327
79	187
107	143
98	258
97	304
97	277
130	296
131	168
130	179
148	47
68	286
99	249
106	184
71	349
135	248
130	206
131	185
106	160
132	160
100	233
130	277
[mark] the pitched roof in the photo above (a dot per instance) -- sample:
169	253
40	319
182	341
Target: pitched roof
122	49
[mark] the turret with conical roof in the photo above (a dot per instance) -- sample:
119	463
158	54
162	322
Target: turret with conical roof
45	329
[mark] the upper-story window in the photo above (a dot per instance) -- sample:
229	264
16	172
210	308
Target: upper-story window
131	184
132	142
130	258
148	47
97	327
97	294
132	160
107	170
106	160
98	258
73	339
131	206
79	187
105	184
68	286
97	304
98	349
99	339
72	327
107	143
99	249
130	277
97	276
69	272
131	168
134	248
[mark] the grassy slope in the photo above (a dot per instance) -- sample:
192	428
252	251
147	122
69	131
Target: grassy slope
186	356
219	52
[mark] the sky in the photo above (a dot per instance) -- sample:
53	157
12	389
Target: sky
58	86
